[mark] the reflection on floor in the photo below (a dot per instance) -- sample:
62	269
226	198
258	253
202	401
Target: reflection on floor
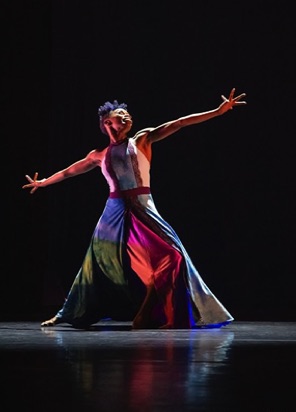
245	366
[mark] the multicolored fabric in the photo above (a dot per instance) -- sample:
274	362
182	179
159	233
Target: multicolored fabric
132	247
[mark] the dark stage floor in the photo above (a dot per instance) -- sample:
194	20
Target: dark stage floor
245	366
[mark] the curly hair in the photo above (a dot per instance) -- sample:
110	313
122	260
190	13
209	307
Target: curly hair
105	109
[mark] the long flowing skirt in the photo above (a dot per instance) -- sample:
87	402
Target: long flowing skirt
132	248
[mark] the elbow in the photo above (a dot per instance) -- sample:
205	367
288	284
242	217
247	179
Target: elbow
66	174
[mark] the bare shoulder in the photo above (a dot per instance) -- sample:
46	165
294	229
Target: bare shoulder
141	136
143	132
96	156
143	142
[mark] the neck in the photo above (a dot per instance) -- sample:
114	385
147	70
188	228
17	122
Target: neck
117	137
119	140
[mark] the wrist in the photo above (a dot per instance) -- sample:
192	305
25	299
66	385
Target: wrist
42	183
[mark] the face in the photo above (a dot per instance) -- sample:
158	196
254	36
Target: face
118	121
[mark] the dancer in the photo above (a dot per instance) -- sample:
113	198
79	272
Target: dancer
136	267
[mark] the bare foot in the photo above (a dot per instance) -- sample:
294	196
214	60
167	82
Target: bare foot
51	322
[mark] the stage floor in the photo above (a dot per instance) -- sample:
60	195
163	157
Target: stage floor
245	366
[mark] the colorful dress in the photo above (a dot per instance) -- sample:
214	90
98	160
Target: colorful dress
133	247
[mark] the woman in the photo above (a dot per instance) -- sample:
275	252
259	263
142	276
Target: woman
136	267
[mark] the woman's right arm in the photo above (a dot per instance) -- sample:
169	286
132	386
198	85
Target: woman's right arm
92	160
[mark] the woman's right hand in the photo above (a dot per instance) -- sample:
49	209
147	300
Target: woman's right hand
34	183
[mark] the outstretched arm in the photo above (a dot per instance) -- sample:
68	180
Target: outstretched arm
171	127
92	160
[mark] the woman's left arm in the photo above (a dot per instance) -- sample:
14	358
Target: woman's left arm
168	128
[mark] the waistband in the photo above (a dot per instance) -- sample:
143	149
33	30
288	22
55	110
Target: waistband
144	190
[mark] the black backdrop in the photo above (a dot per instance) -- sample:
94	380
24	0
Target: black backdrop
227	186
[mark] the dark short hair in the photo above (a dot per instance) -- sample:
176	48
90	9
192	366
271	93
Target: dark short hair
106	108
